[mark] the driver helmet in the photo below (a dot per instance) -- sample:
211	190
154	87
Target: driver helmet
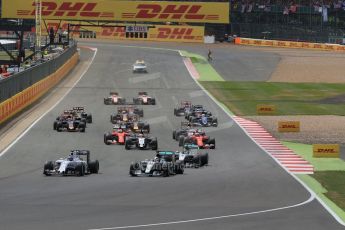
156	159
70	158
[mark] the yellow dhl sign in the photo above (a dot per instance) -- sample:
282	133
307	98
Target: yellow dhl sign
265	109
326	150
288	126
110	10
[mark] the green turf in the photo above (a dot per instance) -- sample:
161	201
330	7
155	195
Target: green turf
205	70
289	98
320	164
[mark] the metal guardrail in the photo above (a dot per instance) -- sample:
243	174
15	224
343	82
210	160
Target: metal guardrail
22	80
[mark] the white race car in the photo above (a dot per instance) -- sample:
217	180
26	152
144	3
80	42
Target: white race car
139	67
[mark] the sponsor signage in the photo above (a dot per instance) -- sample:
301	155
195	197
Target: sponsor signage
326	150
109	10
265	109
138	29
288	126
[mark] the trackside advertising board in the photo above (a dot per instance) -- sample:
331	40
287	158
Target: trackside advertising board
110	10
170	33
263	109
288	126
326	150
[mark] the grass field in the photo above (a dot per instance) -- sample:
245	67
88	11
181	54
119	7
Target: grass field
334	183
289	98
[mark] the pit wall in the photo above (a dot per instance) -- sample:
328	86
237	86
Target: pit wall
289	44
20	101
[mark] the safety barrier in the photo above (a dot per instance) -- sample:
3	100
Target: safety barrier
24	98
289	44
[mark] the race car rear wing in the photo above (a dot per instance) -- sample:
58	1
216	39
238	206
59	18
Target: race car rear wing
185	124
142	93
81	153
114	93
79	109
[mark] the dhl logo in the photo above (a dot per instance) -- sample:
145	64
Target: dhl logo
176	33
70	9
288	126
325	150
150	11
266	109
113	32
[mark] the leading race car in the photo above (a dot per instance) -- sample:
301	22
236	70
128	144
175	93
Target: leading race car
163	164
114	99
139	67
141	141
74	164
144	99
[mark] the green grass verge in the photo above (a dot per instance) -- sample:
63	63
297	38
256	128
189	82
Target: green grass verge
205	70
320	164
289	98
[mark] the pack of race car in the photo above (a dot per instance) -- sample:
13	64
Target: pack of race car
141	99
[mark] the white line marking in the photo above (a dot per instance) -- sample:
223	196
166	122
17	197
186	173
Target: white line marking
52	107
311	198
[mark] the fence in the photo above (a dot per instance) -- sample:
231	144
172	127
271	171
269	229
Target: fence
22	80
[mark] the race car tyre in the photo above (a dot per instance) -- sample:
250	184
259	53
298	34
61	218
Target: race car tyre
175	112
136	101
174	134
132	169
54	125
179	167
49	165
128	144
212	142
154	144
89	118
122	101
59	127
215	122
141	113
80	170
181	141
106	138
147	128
153	101
204	159
82	128
94	166
106	101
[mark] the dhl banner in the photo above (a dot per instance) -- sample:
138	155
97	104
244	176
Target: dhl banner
110	10
18	102
289	44
288	126
155	33
265	109
326	150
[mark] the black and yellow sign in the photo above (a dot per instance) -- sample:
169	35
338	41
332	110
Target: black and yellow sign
288	126
326	150
265	109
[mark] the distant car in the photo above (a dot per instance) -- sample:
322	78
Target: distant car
81	112
183	108
70	124
114	99
74	164
139	67
144	99
203	121
161	165
141	141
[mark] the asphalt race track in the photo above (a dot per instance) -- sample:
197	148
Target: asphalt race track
242	188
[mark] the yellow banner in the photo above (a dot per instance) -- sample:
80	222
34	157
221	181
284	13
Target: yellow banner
326	150
288	126
155	33
289	44
110	10
265	109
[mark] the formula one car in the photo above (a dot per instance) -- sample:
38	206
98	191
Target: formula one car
203	141
74	164
79	111
186	130
163	164
191	156
123	116
70	124
117	136
204	121
130	109
183	108
114	99
139	67
141	141
196	109
144	99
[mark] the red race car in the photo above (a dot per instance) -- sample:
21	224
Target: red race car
201	140
117	136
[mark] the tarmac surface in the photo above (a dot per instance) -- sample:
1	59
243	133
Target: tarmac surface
242	188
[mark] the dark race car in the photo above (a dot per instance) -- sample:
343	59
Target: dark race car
141	141
183	108
114	99
117	136
185	130
70	124
144	99
74	164
203	121
80	111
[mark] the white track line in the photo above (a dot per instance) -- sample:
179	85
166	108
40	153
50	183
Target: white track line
52	107
311	198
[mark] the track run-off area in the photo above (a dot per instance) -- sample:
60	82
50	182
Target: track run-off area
241	188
